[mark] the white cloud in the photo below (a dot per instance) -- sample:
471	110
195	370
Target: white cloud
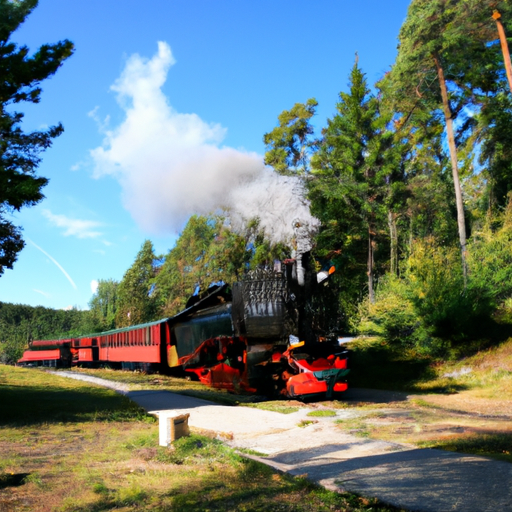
171	165
94	286
74	227
102	123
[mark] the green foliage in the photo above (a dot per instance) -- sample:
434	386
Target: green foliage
103	304
135	303
289	145
496	155
19	152
20	324
428	308
392	316
206	252
490	258
433	306
347	185
436	288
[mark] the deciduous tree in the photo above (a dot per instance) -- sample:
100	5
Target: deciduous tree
103	304
135	301
290	144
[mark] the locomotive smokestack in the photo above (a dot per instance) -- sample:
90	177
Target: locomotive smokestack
303	244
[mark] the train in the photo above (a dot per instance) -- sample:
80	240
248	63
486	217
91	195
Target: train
261	335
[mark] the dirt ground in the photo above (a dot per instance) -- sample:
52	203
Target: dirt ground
406	418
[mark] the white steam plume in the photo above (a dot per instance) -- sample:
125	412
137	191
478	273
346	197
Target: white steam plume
171	165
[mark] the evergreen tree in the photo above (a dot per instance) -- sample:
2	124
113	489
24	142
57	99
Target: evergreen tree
19	151
346	189
135	301
185	266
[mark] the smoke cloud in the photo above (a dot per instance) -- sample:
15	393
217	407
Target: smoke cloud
172	165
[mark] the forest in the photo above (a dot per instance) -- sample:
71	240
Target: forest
411	180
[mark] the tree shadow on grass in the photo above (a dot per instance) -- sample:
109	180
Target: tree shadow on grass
383	368
12	479
34	405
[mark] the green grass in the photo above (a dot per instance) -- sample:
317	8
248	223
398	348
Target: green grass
378	365
305	423
275	406
355	426
322	413
32	397
497	446
70	456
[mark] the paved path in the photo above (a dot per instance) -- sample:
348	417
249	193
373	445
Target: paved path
420	480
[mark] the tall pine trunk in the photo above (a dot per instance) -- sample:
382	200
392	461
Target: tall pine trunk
393	236
371	292
504	47
455	168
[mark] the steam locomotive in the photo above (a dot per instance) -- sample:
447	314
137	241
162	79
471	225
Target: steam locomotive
261	335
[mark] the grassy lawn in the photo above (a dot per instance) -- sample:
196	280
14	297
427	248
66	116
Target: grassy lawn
68	446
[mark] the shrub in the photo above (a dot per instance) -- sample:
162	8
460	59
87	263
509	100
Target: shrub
490	260
392	315
436	287
428	308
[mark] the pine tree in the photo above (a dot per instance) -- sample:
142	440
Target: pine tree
206	252
346	189
448	65
19	151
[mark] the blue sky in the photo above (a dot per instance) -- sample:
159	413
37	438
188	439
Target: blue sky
164	106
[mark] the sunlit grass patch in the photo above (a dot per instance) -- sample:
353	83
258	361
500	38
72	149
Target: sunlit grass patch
305	423
322	413
280	406
31	397
498	446
355	426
